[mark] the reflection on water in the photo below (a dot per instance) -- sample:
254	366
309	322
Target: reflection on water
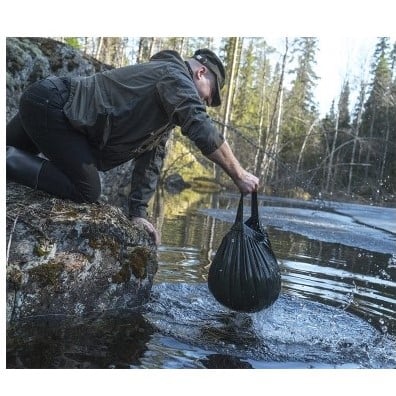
114	340
336	309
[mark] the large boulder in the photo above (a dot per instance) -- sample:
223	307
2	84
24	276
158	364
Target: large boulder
73	259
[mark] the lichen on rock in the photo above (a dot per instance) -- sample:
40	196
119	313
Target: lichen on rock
73	259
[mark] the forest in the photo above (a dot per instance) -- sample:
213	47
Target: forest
270	116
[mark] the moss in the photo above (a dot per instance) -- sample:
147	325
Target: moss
14	278
138	262
43	247
105	242
122	276
136	265
65	211
47	274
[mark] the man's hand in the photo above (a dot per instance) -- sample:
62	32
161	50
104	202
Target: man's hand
245	181
149	227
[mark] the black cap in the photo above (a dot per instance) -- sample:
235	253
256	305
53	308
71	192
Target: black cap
214	64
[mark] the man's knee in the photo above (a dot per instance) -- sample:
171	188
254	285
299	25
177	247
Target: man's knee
89	193
86	182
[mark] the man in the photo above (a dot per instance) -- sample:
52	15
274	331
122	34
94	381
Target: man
83	125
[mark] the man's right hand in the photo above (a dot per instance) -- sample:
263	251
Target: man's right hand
246	182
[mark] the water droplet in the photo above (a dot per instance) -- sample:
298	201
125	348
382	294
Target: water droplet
392	261
384	274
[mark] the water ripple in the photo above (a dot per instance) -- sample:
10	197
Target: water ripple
294	330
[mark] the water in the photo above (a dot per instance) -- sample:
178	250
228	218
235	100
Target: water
336	308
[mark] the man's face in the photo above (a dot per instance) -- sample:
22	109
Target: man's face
205	83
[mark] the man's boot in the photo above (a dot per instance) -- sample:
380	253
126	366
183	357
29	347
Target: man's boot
23	167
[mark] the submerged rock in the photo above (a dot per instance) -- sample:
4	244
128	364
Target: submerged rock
73	259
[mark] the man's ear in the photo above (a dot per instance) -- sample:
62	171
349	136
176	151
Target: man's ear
201	71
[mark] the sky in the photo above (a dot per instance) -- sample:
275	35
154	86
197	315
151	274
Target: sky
338	59
347	30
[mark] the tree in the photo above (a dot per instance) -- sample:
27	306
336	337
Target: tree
376	126
227	105
356	124
111	50
300	110
269	146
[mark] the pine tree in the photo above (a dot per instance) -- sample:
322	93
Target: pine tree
376	120
300	110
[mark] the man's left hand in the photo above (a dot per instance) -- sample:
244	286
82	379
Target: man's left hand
149	227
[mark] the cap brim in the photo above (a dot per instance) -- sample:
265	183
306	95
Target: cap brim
216	100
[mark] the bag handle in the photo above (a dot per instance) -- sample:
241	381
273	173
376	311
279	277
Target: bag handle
254	210
255	215
239	216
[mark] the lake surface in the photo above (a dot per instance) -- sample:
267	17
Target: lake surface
336	308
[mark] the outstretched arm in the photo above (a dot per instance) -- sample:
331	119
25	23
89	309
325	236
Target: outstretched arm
245	181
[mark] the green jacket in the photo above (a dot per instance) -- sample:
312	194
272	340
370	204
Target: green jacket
129	112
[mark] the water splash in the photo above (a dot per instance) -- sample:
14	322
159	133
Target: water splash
294	331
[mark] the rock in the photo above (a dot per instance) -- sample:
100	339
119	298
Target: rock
29	59
174	183
73	259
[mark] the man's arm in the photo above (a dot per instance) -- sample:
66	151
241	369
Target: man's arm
223	156
185	108
143	184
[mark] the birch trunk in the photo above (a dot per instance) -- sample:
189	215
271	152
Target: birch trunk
304	145
271	143
333	148
99	48
355	141
228	101
277	134
259	153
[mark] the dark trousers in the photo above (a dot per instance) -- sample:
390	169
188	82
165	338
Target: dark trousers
70	170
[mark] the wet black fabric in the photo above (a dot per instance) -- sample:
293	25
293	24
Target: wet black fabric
69	170
244	274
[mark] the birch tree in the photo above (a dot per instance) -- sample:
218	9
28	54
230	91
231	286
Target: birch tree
268	147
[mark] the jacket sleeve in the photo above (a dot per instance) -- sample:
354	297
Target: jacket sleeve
184	108
145	177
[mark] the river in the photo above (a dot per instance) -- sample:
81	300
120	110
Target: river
336	308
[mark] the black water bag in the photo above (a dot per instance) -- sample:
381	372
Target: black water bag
244	274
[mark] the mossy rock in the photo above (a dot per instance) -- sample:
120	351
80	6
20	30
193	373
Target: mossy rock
69	258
